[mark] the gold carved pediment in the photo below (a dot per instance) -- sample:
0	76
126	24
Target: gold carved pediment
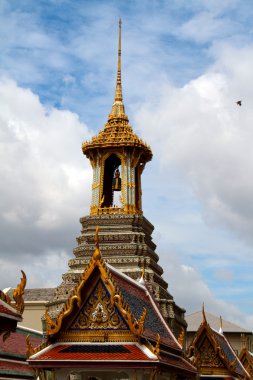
96	306
98	312
207	357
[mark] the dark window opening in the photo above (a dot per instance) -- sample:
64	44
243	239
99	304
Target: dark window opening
111	168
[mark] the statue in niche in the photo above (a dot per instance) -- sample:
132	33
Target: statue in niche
116	182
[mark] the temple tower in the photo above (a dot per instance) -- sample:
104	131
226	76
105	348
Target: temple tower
118	157
117	151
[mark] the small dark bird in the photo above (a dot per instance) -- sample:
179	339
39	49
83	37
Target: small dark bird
239	103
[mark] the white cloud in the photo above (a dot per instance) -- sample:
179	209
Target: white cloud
45	179
199	132
208	137
191	291
208	24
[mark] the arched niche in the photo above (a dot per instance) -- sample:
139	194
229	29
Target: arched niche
111	164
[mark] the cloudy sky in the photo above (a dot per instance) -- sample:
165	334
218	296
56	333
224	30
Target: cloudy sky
185	64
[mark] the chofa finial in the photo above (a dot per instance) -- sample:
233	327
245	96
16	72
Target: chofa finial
18	294
142	278
221	329
243	341
96	254
203	314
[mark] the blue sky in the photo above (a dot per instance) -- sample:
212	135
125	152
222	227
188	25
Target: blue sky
184	66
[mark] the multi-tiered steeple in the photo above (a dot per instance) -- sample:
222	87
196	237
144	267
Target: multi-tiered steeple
118	157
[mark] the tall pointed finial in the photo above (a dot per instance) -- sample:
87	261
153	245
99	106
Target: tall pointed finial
221	327
118	109
96	254
141	280
243	340
203	314
118	93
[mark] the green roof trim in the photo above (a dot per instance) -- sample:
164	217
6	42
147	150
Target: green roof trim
16	373
5	354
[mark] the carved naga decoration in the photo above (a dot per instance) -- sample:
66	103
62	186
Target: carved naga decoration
19	293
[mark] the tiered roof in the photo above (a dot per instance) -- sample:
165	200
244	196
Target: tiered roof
111	319
117	131
13	354
194	320
13	345
10	315
8	312
212	353
246	358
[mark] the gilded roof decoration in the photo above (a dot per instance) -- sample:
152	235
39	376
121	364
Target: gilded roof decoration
246	358
181	337
117	131
18	295
103	309
99	312
212	354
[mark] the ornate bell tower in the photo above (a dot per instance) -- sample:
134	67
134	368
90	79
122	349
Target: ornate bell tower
118	157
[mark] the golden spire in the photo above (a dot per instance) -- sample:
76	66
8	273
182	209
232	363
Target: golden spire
203	314
118	109
221	326
117	132
118	92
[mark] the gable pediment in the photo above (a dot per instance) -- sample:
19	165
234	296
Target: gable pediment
95	309
98	312
207	356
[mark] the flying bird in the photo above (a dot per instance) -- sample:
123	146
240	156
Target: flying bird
239	103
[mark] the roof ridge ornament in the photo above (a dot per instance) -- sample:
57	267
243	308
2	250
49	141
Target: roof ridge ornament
221	327
18	294
142	278
97	253
243	337
204	320
118	92
118	109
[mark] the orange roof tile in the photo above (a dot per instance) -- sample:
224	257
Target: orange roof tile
16	343
8	311
87	352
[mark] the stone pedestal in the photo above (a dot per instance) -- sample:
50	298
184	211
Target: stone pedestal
125	242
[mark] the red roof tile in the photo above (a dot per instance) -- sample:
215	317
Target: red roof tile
16	343
229	352
177	361
58	352
14	367
8	311
137	297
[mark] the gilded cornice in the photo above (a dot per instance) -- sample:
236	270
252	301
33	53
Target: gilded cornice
75	299
117	134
